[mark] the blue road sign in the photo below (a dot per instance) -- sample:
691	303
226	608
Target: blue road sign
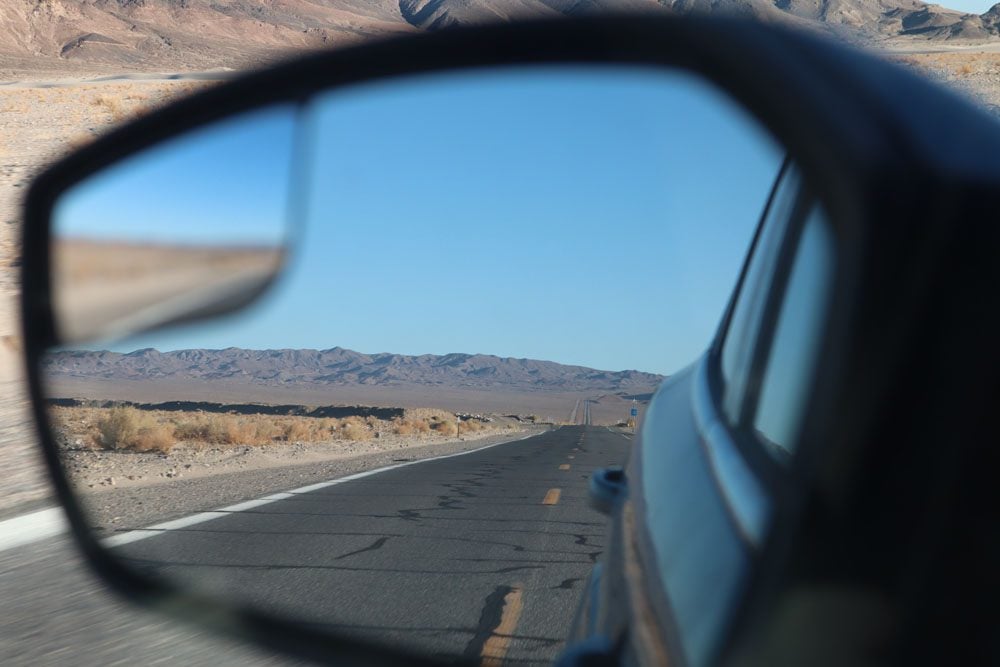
634	412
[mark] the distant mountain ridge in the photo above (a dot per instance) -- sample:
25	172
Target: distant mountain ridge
202	34
342	367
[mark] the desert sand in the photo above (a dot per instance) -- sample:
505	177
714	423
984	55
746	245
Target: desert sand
42	116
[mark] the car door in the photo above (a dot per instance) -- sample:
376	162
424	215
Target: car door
714	449
747	397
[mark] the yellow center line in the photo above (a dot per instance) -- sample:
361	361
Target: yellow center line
552	497
496	646
564	466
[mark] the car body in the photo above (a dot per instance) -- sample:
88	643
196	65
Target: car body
814	474
706	512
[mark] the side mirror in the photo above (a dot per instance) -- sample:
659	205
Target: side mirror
191	282
583	189
192	227
607	488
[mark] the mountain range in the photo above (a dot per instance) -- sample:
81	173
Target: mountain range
202	34
338	367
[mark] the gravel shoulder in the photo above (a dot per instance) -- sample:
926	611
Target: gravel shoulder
217	478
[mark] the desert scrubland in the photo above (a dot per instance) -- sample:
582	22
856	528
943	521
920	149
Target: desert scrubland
135	466
973	71
126	446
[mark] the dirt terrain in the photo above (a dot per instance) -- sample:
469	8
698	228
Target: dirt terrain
136	35
42	116
973	70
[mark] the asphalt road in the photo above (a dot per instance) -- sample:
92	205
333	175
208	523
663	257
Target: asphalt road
54	613
473	555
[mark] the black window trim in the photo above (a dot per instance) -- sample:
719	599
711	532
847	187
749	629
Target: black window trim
769	472
769	323
736	471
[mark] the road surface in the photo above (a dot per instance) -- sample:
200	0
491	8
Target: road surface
479	554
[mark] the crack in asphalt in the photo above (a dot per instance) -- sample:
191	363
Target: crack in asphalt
432	577
489	619
157	567
374	546
567	584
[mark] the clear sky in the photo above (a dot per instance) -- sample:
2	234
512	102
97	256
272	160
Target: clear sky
593	216
969	6
208	187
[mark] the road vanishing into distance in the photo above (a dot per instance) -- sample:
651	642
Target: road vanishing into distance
478	555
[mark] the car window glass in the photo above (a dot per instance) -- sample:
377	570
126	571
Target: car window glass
741	336
792	356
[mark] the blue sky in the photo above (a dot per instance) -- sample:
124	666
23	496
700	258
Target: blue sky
592	216
230	180
969	6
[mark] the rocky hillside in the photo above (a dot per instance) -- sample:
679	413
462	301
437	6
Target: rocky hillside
340	367
201	34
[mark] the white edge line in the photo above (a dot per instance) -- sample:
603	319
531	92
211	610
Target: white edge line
32	527
194	519
51	522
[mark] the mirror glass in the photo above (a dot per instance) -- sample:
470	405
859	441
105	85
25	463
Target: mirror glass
494	270
194	226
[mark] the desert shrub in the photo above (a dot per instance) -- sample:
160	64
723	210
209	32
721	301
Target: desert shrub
297	431
254	430
403	428
472	426
195	430
119	427
410	426
217	429
139	430
109	104
154	439
209	429
129	428
309	429
354	431
265	430
221	430
445	428
236	431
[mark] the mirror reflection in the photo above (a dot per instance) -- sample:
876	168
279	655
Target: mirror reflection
195	226
494	271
